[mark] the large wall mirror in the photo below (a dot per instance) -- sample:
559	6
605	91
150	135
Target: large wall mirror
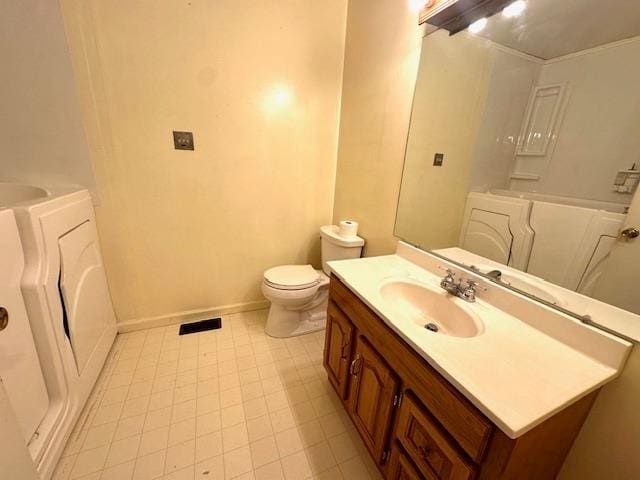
523	154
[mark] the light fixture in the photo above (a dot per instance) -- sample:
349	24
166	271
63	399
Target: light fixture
478	25
514	9
417	5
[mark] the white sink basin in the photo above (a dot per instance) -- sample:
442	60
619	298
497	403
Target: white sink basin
436	311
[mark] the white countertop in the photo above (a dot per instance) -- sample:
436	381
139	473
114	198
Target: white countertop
516	374
622	321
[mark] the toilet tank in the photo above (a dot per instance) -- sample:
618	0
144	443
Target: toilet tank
336	247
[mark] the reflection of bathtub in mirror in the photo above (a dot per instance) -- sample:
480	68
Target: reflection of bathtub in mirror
508	276
12	193
576	202
565	241
522	281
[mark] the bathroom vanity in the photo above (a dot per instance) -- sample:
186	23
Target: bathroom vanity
502	395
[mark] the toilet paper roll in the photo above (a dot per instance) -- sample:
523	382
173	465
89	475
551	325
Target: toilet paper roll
348	228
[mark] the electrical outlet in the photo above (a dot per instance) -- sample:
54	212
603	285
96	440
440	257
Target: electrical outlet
438	159
183	140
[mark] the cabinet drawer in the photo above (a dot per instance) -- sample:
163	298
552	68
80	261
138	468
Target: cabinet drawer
401	467
428	446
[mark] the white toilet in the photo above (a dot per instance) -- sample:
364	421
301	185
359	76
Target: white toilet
299	293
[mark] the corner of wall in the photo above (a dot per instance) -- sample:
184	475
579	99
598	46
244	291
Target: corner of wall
382	52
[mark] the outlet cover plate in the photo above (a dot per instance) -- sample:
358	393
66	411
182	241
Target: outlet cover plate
183	140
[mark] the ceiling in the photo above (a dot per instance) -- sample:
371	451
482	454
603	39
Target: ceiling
552	28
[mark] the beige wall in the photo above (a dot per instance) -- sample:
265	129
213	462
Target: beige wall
607	446
259	85
381	58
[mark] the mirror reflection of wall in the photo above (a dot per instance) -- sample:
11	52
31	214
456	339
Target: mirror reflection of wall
536	123
459	100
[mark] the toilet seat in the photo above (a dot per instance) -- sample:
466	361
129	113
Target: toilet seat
298	294
292	277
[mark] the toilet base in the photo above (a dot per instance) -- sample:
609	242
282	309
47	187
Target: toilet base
283	322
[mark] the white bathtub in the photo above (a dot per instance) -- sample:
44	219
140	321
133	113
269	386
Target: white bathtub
67	301
575	202
528	231
14	193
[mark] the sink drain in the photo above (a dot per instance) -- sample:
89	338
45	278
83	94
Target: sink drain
432	327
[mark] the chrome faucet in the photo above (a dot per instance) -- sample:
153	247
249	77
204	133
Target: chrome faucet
463	288
449	283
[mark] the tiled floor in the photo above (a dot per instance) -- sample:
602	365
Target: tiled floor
232	403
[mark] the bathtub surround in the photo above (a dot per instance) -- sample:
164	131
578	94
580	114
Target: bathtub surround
44	141
592	92
188	233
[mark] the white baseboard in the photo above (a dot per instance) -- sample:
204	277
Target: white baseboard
193	315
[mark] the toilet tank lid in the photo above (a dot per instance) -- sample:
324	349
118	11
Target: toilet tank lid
330	233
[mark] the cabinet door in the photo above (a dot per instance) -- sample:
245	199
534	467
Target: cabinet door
428	446
337	348
401	468
371	397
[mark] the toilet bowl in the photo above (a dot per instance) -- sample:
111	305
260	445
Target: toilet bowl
297	307
299	293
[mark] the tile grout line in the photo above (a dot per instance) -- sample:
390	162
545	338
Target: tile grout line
298	370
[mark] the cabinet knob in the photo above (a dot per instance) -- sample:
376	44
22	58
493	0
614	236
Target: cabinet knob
4	318
424	451
355	365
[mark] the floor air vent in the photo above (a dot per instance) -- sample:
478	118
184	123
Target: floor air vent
201	326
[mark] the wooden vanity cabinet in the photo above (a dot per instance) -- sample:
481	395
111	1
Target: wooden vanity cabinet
337	348
428	445
414	423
